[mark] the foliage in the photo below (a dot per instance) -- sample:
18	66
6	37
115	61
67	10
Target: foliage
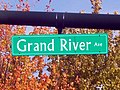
75	72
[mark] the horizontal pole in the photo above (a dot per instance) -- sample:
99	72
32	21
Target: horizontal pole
61	20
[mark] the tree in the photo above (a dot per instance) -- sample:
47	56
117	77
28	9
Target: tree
17	72
68	72
87	72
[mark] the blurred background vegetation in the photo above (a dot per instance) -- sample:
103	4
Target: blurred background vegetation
67	72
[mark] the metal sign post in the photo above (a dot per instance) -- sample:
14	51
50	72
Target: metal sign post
61	20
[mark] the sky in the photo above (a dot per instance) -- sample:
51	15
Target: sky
108	6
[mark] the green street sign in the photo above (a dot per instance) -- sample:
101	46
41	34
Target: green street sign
64	44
